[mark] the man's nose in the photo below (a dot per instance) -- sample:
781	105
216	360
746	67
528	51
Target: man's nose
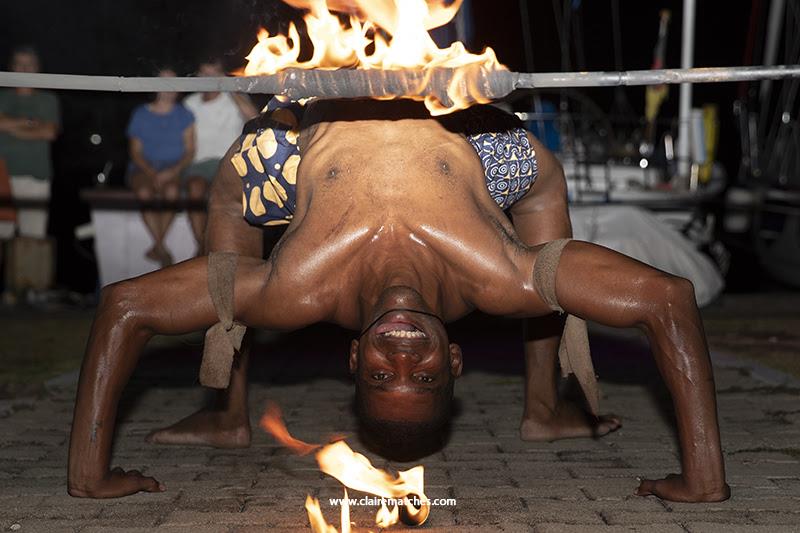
405	355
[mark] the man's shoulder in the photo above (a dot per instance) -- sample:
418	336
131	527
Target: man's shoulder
193	101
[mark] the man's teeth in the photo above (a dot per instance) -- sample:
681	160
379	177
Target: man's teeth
404	334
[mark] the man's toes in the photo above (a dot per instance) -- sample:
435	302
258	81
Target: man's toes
606	424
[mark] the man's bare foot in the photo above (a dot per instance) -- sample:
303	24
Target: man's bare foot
152	254
217	429
114	484
567	422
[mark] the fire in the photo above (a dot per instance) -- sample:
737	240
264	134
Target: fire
380	34
354	471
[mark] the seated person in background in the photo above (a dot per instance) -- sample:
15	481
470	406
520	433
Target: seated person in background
161	146
219	119
29	122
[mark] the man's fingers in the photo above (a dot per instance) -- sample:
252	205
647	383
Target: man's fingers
646	488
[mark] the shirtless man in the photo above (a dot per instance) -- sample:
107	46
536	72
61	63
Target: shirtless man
540	216
393	234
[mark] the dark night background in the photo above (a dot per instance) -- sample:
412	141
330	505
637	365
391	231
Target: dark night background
133	37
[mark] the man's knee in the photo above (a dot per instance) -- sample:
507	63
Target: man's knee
196	188
668	298
122	301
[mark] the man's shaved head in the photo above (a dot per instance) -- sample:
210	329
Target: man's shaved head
404	369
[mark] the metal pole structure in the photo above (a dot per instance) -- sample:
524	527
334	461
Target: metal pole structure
351	83
776	11
685	111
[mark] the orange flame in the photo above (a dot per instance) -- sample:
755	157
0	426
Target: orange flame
273	424
407	22
385	518
353	470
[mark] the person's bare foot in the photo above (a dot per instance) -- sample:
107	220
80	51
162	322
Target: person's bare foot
217	429
152	254
164	257
567	422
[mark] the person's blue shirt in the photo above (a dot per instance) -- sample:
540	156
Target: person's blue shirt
161	135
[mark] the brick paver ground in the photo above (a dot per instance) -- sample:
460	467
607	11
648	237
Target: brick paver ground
500	482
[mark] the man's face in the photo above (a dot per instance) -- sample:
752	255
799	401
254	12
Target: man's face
210	70
25	62
404	365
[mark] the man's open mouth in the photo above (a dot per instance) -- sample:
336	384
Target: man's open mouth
399	328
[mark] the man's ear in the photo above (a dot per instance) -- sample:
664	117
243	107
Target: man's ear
456	362
353	356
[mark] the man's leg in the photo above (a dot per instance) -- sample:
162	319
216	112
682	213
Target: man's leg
171	301
543	216
196	190
226	423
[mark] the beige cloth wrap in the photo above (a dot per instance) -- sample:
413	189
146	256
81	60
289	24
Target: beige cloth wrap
573	353
224	338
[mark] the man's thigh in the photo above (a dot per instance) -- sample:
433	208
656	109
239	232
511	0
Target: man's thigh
34	196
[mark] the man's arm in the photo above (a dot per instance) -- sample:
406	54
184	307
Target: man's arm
246	108
29	129
601	285
118	336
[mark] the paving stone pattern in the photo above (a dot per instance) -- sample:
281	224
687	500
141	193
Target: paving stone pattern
500	483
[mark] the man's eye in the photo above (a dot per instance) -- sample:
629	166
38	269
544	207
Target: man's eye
425	379
380	376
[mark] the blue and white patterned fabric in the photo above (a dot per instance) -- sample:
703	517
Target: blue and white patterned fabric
508	158
268	158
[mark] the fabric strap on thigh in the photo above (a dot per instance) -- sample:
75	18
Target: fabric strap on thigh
573	354
224	338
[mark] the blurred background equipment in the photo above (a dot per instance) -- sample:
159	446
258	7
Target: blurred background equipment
620	146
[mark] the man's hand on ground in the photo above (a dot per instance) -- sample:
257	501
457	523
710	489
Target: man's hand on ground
675	488
117	483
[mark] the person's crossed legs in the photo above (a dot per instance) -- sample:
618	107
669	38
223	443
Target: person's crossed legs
156	221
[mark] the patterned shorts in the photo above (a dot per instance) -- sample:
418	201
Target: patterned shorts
268	158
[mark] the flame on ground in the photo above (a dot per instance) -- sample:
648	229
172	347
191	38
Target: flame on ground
273	424
381	34
354	471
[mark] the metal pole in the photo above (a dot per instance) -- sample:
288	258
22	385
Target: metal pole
382	83
685	111
776	11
